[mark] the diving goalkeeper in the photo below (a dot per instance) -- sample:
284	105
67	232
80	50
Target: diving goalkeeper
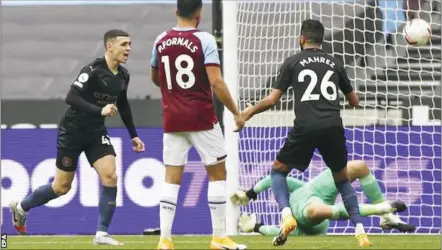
313	203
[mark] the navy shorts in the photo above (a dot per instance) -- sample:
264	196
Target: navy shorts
69	148
299	146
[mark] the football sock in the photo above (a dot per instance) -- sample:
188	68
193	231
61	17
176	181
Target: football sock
280	189
350	200
106	207
217	203
168	203
40	196
371	189
340	212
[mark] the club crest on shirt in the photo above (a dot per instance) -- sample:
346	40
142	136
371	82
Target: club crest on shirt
82	78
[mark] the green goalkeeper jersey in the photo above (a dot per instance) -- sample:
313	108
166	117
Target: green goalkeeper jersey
322	186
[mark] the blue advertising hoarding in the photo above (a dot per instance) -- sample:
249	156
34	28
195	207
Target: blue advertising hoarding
408	165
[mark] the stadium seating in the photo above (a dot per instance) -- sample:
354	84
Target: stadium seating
413	67
44	47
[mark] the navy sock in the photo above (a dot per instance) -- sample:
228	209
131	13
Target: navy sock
106	207
350	200
40	196
280	188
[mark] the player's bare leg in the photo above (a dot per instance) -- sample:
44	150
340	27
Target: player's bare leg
216	197
168	203
40	196
281	193
106	170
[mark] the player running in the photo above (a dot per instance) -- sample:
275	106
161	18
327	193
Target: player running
99	91
315	77
313	203
186	66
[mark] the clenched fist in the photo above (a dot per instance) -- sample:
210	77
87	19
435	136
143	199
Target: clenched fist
109	110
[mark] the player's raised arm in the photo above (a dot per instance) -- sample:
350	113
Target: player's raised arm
74	97
347	89
282	83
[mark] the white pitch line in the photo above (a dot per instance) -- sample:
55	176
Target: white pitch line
71	242
298	239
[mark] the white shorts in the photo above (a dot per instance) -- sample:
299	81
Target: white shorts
208	143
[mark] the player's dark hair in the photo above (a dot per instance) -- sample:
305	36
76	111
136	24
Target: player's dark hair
187	8
313	31
113	34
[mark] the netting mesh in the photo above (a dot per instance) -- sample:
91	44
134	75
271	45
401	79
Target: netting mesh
396	129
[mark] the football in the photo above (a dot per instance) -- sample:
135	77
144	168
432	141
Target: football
417	32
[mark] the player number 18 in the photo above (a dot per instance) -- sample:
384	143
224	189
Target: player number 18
325	84
181	71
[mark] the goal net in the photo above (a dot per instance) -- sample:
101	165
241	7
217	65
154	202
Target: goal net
397	128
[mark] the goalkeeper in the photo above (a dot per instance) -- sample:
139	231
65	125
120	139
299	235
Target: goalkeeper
313	203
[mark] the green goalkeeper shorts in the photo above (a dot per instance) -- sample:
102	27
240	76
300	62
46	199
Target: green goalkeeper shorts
299	200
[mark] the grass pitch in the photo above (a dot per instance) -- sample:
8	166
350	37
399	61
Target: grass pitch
202	242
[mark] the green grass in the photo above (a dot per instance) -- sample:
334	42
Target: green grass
202	242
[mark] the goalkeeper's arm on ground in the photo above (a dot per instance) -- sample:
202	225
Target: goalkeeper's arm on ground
242	197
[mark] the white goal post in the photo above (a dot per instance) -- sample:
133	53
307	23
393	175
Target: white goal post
397	128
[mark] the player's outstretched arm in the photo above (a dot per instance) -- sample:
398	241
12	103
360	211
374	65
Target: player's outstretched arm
283	82
266	182
268	102
241	197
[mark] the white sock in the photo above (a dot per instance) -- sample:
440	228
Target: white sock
20	209
286	212
100	234
359	229
168	202
216	197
